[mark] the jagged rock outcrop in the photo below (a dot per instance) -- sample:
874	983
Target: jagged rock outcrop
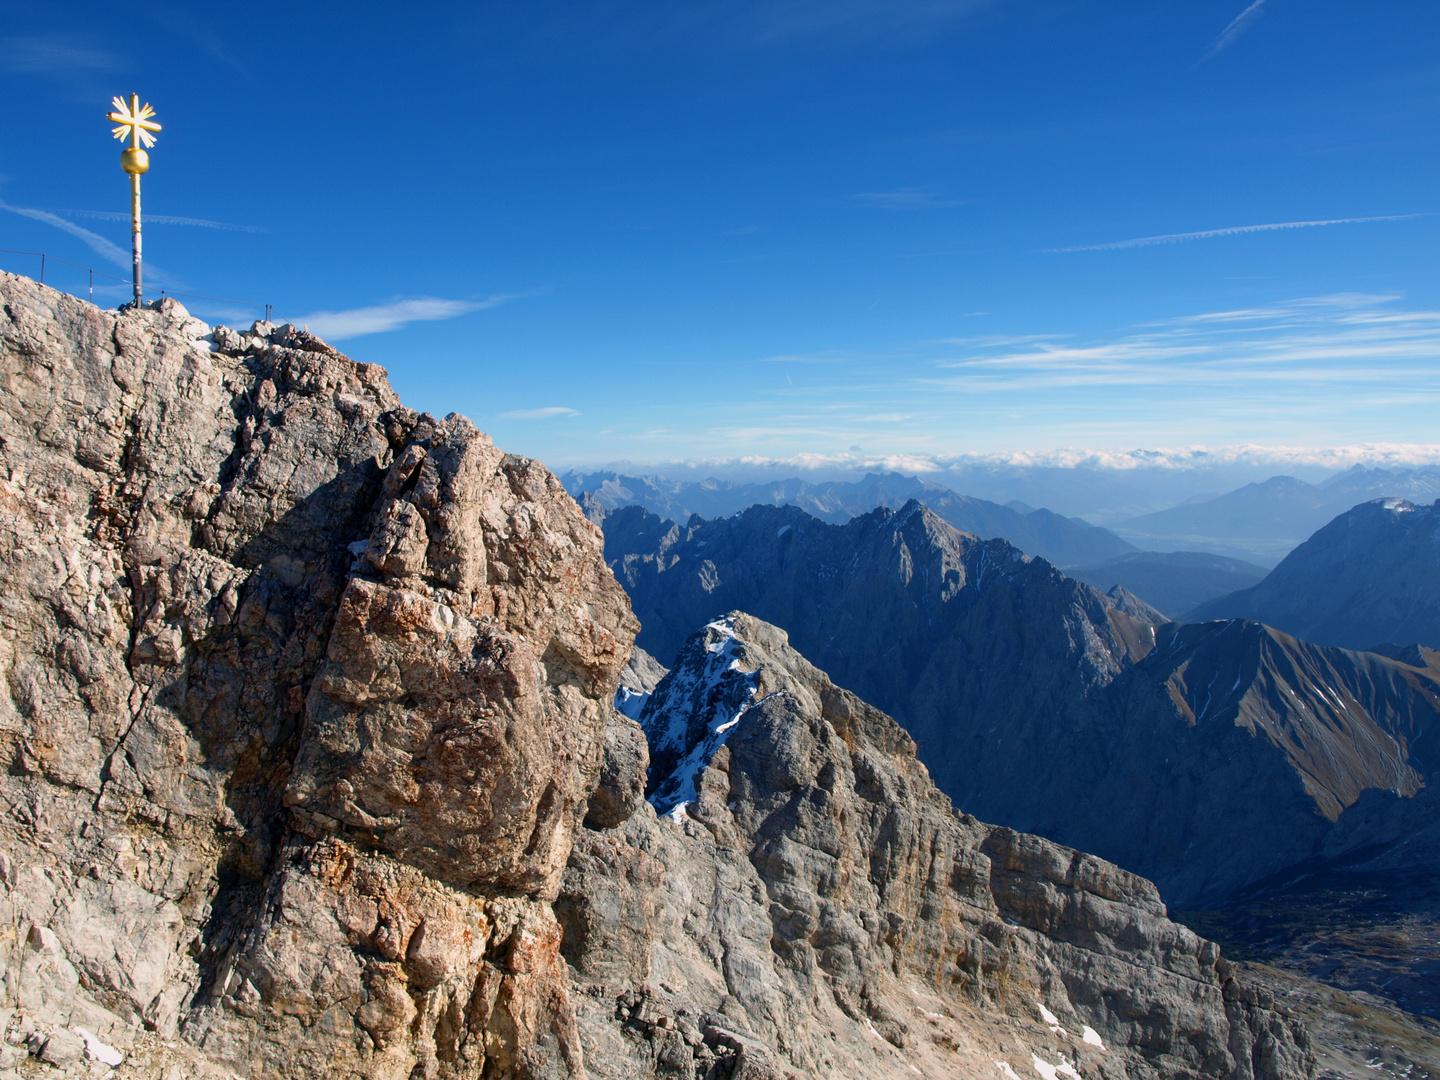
1125	600
808	904
305	696
1204	757
1370	576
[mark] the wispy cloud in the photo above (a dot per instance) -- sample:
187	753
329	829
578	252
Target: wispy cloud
1236	28
550	412
910	198
163	219
1332	352
43	54
1234	230
1348	370
357	322
1303	310
106	249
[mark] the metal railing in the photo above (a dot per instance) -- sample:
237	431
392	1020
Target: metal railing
93	274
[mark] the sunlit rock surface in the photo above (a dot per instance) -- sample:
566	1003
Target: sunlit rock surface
306	695
808	904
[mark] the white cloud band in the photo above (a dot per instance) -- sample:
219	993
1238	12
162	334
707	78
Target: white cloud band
97	243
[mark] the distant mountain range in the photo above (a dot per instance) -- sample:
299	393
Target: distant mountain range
1103	488
1262	522
1206	757
1269	518
1370	576
1063	541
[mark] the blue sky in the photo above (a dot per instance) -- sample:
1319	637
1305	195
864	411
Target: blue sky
811	231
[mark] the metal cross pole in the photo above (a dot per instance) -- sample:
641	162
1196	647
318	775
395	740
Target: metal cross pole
134	121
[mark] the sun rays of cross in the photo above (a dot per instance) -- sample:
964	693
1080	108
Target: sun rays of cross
133	120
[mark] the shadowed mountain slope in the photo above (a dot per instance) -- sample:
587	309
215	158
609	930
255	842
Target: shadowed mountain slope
1213	760
1372	575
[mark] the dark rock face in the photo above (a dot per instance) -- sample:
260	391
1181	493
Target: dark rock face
813	906
306	694
1370	576
1212	760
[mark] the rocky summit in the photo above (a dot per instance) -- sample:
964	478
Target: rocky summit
807	904
1204	757
305	697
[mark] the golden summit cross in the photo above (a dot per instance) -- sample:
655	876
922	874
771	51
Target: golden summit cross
134	120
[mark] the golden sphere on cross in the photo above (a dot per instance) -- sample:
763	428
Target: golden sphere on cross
134	161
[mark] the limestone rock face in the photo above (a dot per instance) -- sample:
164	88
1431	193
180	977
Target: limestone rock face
305	697
622	774
812	906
